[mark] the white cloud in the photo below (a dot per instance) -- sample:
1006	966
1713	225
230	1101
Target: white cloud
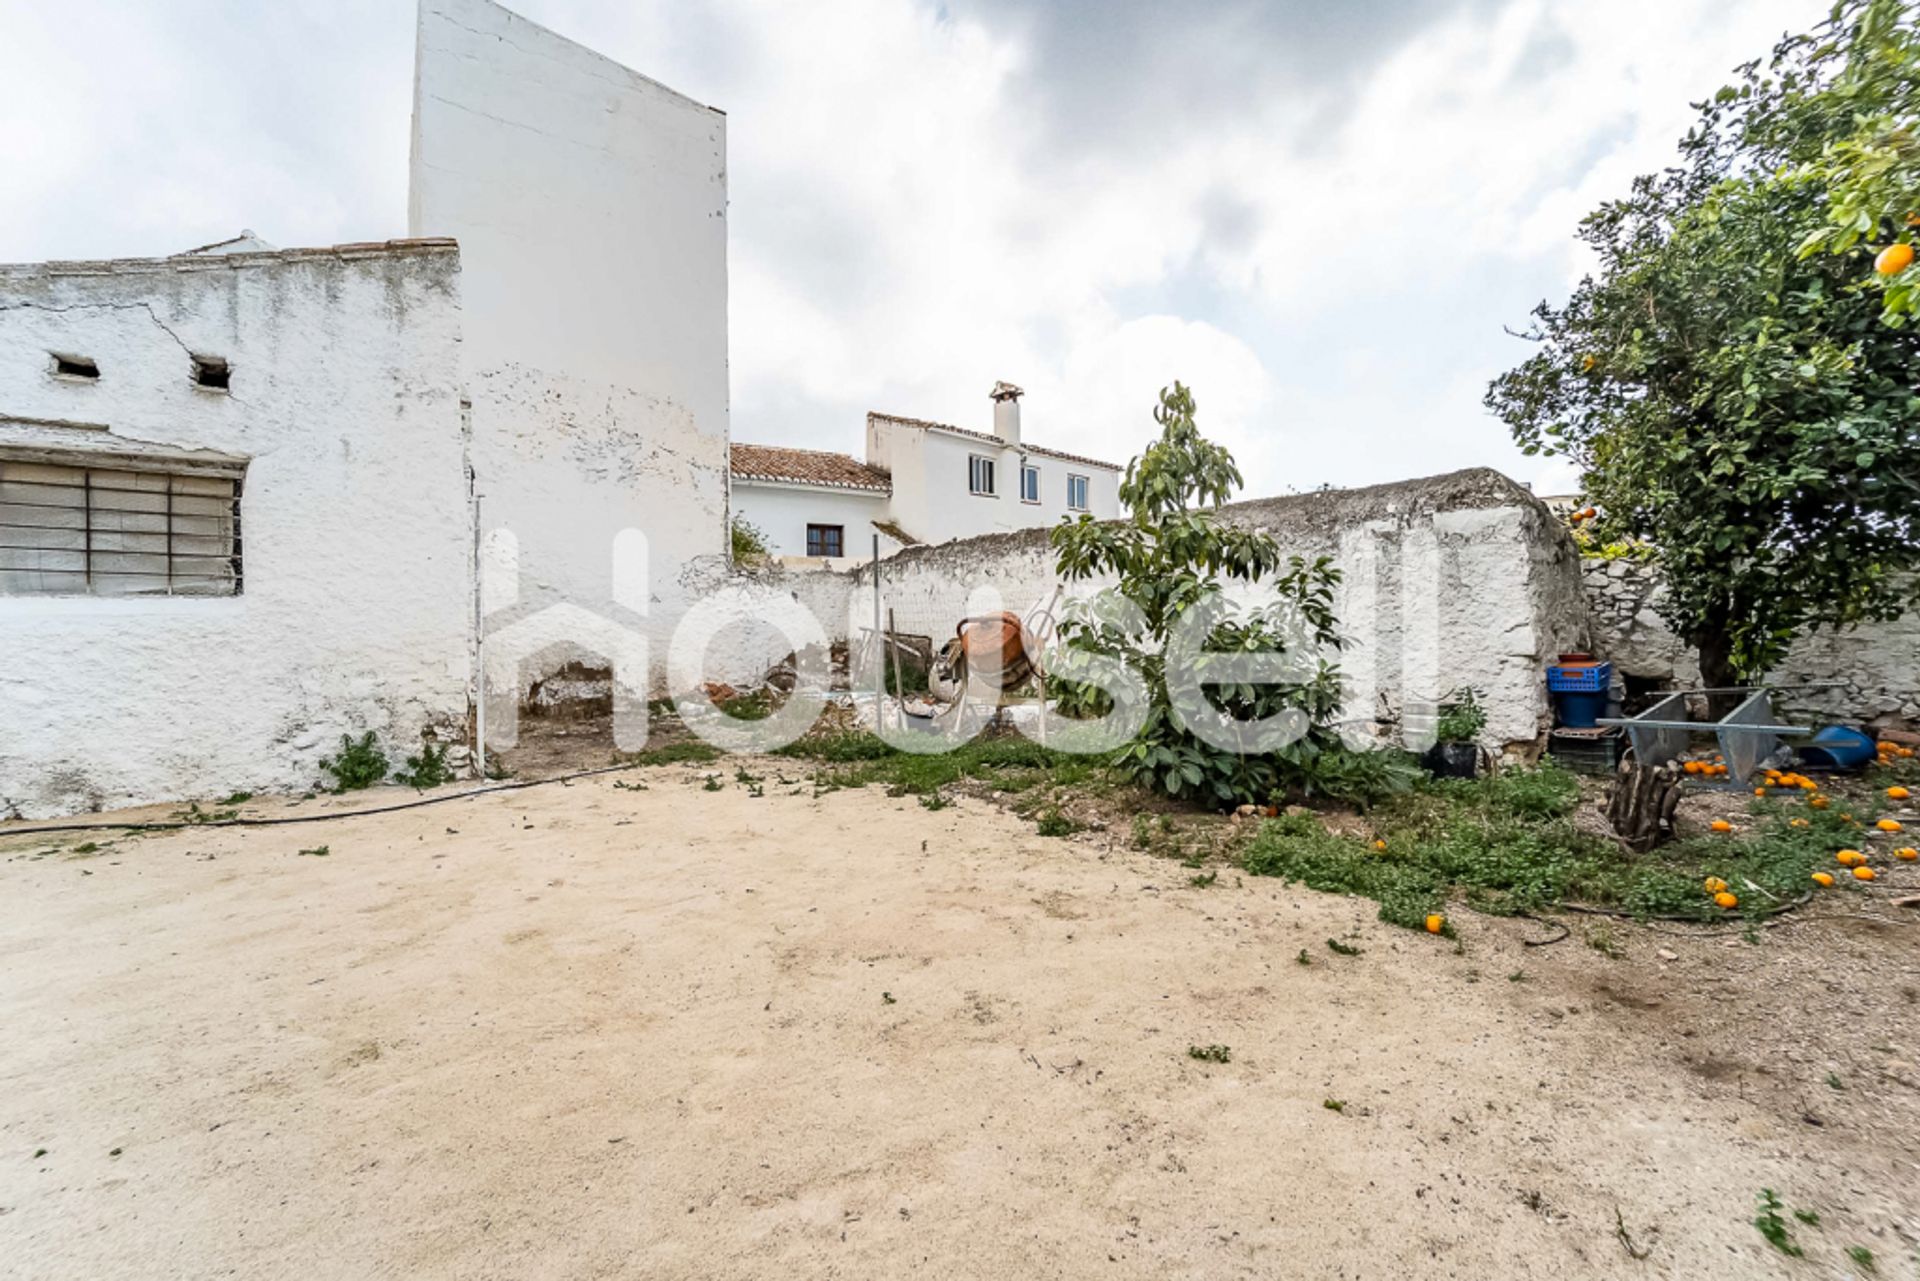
1326	259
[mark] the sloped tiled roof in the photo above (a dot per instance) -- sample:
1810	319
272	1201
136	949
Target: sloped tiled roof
807	467
949	428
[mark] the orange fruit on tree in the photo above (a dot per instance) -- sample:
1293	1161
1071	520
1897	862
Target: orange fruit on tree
1726	899
1894	259
1823	878
1863	873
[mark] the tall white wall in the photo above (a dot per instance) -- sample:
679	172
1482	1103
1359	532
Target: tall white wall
354	520
590	204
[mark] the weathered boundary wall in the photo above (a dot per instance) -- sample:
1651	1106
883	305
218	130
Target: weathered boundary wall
1874	669
1449	581
355	526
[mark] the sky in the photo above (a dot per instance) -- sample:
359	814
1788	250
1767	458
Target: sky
1322	217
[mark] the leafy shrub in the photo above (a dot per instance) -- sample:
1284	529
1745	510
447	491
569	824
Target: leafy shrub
1461	718
1172	554
1362	779
360	764
428	769
750	546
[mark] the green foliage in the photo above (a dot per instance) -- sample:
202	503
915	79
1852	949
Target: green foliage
360	763
1334	1105
1171	554
318	851
1210	1053
1773	1227
1862	1258
428	769
750	546
1342	949
1461	718
1054	823
1508	844
690	751
1339	774
1010	764
1871	169
1734	404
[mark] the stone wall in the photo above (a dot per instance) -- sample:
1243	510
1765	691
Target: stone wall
1869	671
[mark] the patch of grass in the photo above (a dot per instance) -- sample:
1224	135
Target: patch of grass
1303	958
1773	1227
1008	763
1507	844
358	765
756	705
1054	823
1205	879
238	798
318	851
195	815
934	801
691	751
1342	949
87	847
713	784
1334	1105
1862	1258
1809	1217
1210	1053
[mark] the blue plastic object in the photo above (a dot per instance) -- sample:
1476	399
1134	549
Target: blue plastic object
1580	678
1580	710
1837	747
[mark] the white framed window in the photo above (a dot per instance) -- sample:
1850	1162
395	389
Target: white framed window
70	529
1029	483
1076	493
980	475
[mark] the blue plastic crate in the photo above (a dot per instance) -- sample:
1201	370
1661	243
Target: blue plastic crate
1580	680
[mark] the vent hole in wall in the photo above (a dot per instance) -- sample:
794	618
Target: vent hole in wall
75	366
211	371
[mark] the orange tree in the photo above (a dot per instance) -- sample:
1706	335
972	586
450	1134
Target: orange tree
1733	403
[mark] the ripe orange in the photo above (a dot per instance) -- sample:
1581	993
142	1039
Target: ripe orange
1894	259
1798	822
1907	853
1715	885
1850	858
1897	793
1863	873
1759	791
1818	802
1721	825
1436	923
1380	845
1692	767
1888	825
1726	900
1823	878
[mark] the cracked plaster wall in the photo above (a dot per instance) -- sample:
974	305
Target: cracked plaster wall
354	519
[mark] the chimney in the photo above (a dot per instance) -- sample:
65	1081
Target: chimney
1006	413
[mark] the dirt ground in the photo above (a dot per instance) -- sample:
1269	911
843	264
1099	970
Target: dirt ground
589	1030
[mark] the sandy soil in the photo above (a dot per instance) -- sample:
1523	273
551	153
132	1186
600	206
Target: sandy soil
586	1031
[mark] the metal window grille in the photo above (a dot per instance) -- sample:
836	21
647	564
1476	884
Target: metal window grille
115	531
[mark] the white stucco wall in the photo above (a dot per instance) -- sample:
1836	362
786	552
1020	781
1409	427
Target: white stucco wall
1451	581
355	522
782	512
590	205
931	498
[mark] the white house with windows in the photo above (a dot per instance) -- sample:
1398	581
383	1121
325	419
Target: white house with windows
922	482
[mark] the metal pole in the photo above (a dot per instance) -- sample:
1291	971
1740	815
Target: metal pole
479	652
879	640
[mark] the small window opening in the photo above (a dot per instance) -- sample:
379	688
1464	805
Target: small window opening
75	366
211	371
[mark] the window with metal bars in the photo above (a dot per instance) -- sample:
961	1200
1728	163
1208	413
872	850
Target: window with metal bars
68	530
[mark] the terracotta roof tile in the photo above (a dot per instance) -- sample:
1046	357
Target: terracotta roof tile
949	428
807	467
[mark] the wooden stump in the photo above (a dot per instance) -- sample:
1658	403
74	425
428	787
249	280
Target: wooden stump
1641	804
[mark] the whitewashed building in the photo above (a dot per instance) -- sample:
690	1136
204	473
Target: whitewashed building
922	482
245	493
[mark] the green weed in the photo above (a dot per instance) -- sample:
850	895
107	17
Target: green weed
1210	1053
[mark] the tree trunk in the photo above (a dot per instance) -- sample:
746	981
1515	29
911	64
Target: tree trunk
1716	670
1641	804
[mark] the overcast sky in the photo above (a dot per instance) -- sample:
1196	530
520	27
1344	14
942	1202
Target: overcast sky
1317	214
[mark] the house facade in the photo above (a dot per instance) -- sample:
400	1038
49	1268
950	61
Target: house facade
922	482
